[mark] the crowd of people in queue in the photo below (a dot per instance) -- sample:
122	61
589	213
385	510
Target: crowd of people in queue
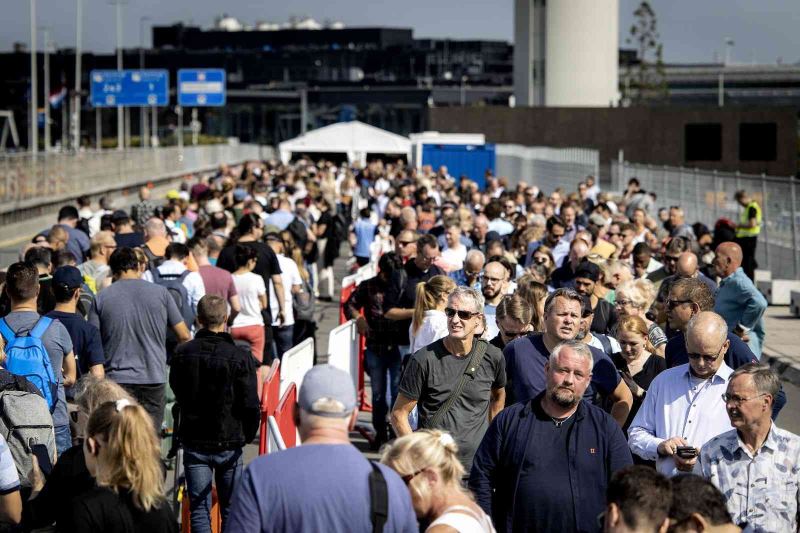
567	362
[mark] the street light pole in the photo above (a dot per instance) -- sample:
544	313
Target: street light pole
143	133
46	89
721	89
120	114
76	106
34	129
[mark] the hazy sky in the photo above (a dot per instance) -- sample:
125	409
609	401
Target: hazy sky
691	30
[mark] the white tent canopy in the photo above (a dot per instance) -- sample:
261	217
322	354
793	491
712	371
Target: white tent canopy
355	139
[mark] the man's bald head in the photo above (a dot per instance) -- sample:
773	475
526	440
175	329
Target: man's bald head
706	328
687	265
728	259
155	228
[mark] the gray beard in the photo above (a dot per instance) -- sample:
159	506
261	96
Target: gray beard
562	400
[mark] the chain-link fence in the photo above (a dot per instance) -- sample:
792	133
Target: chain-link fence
547	168
706	196
27	180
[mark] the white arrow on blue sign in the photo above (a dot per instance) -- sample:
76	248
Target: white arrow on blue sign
201	87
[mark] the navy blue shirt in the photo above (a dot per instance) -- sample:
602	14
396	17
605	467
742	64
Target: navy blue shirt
525	360
519	440
129	240
86	343
738	353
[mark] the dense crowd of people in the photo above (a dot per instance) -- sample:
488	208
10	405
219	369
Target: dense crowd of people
578	361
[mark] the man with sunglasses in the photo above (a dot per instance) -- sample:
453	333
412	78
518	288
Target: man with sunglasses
688	297
756	454
683	408
452	391
675	248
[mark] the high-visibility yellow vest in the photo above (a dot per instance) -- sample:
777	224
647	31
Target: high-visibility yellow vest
744	220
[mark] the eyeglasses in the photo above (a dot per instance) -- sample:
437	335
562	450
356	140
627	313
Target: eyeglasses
738	400
487	279
408	477
706	358
623	303
672	304
463	315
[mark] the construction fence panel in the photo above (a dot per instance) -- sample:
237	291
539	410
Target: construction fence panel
546	168
707	196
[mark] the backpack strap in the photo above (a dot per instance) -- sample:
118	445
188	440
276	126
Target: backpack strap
184	274
469	373
6	332
156	274
378	498
40	327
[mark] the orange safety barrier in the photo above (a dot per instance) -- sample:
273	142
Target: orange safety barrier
284	416
270	396
216	516
363	400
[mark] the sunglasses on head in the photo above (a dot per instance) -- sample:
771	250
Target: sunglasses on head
463	315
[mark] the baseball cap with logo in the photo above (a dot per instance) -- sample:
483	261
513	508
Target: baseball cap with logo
68	276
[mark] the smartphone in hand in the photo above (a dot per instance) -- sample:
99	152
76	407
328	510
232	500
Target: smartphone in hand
686	452
43	457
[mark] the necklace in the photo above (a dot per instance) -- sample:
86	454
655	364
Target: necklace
559	421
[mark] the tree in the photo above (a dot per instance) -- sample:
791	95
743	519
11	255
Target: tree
645	78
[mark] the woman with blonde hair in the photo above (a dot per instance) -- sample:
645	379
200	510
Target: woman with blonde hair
634	298
429	323
535	293
123	455
635	363
428	463
51	501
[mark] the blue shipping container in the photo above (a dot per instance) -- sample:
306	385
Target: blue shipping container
461	160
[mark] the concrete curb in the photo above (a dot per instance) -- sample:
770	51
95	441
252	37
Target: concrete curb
787	368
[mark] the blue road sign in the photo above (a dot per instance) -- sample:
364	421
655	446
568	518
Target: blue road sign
201	87
127	88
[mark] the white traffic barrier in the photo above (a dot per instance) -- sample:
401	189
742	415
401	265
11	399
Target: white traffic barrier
794	304
777	291
762	275
295	363
343	349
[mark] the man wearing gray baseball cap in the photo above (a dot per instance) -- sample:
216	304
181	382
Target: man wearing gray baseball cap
324	484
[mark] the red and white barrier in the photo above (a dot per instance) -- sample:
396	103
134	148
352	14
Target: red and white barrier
295	363
270	396
284	416
343	350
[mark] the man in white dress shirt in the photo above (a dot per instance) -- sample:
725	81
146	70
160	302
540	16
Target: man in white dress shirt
683	408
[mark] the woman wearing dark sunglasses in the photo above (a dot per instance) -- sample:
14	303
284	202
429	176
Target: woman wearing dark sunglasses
428	463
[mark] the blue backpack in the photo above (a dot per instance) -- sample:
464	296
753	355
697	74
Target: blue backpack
27	357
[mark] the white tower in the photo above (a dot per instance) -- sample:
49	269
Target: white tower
566	53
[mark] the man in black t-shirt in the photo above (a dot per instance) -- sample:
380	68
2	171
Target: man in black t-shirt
402	292
605	316
250	231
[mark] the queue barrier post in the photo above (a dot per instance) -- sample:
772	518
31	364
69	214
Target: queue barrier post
270	396
284	416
